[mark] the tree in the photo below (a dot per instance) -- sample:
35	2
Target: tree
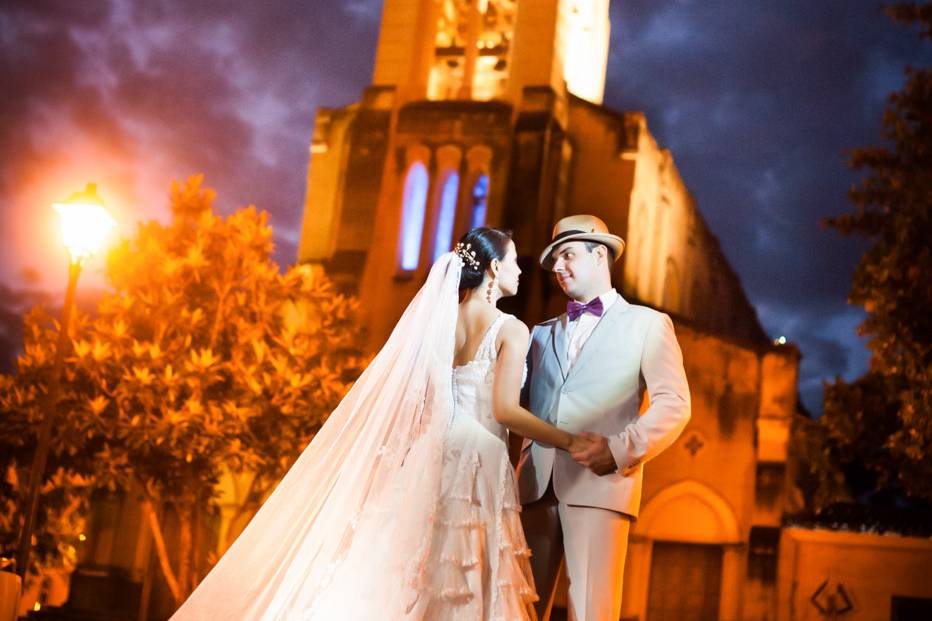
204	360
70	469
59	526
879	427
14	303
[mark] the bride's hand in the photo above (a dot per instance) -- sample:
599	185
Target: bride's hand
577	444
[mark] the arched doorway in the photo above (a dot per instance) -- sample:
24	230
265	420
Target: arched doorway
683	561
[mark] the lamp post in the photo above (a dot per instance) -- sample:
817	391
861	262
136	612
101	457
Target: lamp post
84	225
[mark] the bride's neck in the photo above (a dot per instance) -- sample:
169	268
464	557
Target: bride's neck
478	296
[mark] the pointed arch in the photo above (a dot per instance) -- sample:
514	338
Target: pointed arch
478	187
671	286
480	200
414	203
446	213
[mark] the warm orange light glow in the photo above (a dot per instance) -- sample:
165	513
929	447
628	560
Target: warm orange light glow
37	607
472	50
585	38
85	223
82	537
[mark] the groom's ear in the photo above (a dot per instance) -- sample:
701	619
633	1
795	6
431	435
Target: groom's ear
602	251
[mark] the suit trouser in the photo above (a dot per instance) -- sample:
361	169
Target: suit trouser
588	543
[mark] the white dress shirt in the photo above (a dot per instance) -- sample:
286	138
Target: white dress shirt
578	331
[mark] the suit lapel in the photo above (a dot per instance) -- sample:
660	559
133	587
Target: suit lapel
599	336
558	343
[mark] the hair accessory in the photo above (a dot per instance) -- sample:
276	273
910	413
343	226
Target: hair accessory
467	255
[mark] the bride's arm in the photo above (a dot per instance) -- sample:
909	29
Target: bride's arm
506	393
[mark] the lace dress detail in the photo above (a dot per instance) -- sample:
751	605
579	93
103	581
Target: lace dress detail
478	568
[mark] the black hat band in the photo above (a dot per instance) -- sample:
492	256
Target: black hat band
560	236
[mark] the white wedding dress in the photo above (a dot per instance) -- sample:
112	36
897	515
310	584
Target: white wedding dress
479	558
402	508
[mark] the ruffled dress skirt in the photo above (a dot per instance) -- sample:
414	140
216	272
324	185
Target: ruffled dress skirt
478	564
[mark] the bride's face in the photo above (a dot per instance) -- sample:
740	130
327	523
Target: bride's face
509	271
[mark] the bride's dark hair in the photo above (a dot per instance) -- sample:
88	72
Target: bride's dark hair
488	244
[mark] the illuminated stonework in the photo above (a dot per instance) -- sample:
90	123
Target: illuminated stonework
584	36
485	50
472	49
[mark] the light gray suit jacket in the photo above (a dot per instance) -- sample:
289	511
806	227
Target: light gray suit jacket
632	347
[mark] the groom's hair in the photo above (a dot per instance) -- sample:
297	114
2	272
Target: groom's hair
591	245
488	244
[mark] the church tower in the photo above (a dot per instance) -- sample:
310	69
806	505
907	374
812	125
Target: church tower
491	112
460	87
483	50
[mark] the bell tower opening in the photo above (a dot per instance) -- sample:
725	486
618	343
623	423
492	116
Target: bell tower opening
472	49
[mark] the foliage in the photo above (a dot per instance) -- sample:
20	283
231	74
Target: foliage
879	427
814	470
205	360
14	303
69	472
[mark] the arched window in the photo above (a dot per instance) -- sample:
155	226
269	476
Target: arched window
480	200
446	215
412	215
638	253
671	287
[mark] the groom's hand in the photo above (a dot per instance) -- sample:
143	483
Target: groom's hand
597	456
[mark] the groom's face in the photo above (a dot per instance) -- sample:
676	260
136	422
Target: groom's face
577	268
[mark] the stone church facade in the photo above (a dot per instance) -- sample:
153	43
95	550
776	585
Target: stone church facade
491	112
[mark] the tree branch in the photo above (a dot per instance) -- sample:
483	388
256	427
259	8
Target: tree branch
156	530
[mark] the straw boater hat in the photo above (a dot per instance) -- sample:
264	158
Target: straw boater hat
581	228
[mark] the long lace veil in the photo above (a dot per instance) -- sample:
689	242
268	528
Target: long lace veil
343	534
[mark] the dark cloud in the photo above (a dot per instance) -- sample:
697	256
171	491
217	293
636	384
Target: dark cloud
136	94
760	103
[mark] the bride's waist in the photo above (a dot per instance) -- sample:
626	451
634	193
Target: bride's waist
481	415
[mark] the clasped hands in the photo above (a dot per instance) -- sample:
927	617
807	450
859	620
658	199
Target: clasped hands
591	450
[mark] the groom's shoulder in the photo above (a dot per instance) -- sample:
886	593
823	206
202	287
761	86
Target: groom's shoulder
546	324
647	317
544	327
645	312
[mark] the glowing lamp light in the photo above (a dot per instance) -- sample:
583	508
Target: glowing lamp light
85	223
780	341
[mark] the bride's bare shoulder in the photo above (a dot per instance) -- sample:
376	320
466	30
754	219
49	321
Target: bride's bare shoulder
514	331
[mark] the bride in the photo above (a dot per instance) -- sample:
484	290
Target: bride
404	504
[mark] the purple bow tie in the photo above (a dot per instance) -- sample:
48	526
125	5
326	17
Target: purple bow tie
574	309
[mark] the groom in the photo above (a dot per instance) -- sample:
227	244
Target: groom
588	369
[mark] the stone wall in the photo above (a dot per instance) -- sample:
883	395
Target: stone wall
713	487
862	576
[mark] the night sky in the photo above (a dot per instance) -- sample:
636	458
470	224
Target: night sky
759	102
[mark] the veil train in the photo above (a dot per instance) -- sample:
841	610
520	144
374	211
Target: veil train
342	535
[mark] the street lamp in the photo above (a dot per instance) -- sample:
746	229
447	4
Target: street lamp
85	224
